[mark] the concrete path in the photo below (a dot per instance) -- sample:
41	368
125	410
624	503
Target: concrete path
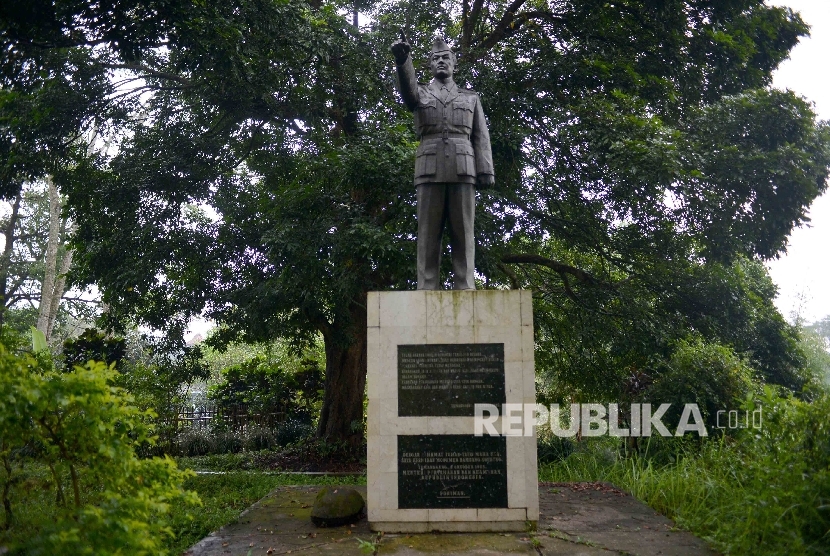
576	519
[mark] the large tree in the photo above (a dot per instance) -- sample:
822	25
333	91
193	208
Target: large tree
634	143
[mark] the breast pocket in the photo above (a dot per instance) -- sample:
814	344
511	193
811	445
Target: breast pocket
426	160
428	111
462	113
465	159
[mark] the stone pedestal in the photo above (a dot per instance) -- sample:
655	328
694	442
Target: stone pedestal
432	355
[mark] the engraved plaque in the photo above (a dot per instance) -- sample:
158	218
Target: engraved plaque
449	379
452	471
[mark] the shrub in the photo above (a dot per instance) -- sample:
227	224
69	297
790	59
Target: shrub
259	438
761	491
228	442
708	374
292	431
84	431
551	448
261	387
192	442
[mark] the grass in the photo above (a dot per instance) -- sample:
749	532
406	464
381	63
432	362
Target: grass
225	496
734	499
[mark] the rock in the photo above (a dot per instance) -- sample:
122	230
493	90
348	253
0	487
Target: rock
337	506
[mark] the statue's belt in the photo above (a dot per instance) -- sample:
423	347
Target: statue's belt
445	136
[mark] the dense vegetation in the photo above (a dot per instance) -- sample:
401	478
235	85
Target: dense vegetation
248	160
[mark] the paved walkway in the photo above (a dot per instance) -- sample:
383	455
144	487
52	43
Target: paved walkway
576	519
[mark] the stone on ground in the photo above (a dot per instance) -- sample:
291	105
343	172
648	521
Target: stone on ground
334	507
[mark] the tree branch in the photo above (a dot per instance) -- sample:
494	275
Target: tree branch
509	27
155	73
560	268
514	280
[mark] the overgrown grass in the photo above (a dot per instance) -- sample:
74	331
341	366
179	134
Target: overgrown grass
689	491
244	461
764	493
226	495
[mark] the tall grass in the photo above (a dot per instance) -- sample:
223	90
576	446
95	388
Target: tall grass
761	493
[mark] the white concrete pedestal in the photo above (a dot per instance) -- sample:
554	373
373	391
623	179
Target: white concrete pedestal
424	318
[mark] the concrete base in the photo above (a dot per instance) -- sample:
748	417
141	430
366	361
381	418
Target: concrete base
452	526
447	317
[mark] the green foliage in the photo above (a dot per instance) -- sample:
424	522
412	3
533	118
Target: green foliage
259	438
813	343
106	500
38	340
156	373
157	394
638	150
625	333
710	375
257	386
764	491
292	431
94	345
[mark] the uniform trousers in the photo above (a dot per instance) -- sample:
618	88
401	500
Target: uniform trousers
441	204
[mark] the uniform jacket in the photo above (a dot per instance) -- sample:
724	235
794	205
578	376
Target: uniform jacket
449	121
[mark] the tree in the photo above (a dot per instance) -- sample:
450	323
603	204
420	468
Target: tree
632	142
54	277
36	260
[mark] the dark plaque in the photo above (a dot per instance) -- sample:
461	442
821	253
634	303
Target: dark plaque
452	471
449	379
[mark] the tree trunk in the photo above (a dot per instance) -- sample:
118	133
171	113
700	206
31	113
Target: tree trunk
47	290
60	286
341	418
6	258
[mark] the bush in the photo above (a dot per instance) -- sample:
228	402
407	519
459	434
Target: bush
191	442
293	431
228	442
708	374
259	438
551	448
262	387
84	431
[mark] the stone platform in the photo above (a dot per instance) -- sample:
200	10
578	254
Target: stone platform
576	519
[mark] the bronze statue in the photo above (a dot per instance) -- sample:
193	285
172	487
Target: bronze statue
453	159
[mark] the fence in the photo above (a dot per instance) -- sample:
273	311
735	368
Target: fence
235	417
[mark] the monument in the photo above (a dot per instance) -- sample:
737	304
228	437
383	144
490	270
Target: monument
433	355
452	159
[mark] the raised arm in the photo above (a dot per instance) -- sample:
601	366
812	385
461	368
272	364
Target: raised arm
407	83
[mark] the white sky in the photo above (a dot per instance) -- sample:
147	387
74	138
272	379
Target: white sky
802	274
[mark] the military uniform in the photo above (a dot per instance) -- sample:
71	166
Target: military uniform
454	150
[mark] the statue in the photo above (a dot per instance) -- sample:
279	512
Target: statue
453	159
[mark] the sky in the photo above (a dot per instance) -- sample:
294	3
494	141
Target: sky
802	274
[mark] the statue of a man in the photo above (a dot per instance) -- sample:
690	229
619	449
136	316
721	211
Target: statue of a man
453	159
